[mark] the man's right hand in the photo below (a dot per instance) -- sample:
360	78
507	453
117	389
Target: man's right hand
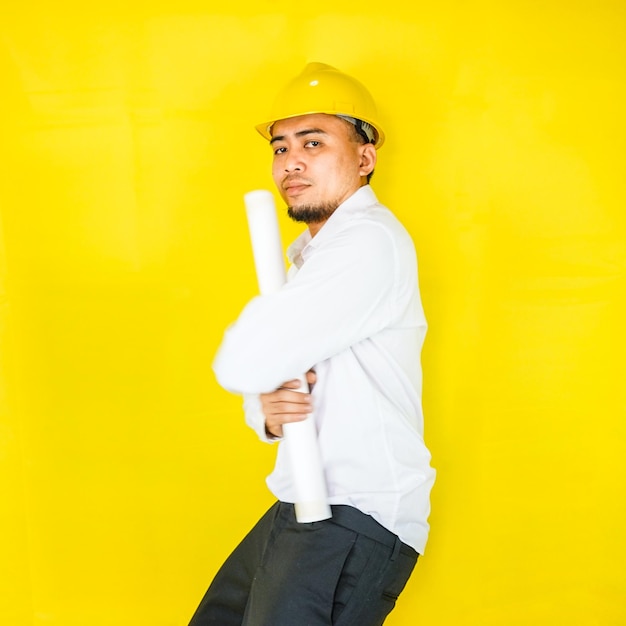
284	405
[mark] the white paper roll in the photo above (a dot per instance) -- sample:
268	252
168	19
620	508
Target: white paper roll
265	236
300	438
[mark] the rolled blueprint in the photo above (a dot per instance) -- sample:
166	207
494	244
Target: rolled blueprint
300	438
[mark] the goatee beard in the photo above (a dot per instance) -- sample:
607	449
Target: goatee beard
311	213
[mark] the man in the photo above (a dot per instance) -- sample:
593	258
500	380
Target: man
350	315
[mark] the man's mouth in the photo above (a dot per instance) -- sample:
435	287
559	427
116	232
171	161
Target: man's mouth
295	186
294	190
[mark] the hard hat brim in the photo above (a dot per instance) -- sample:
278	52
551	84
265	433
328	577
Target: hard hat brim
264	129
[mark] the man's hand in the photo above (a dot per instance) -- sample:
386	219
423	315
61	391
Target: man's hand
284	405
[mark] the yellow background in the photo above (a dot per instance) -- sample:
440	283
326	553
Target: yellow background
127	474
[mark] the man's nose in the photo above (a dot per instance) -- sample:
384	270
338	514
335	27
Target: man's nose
294	161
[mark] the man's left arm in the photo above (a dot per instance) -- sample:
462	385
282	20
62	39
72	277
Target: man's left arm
343	294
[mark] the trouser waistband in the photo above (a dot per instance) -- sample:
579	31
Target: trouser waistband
354	519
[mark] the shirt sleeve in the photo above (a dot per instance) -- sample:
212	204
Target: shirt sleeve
341	295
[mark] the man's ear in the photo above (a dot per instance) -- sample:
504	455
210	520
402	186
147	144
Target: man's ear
368	159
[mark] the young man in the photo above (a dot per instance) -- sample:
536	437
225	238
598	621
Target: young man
350	315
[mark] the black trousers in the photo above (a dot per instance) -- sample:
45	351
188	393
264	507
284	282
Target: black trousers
345	571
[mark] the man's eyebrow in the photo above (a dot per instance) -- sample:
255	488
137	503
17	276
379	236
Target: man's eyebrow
300	133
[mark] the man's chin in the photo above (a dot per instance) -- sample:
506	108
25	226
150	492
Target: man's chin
297	214
311	214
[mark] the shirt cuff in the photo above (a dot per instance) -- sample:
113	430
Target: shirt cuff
255	418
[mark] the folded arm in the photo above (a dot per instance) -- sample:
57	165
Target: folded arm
341	295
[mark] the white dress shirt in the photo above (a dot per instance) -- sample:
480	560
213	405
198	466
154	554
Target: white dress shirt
350	310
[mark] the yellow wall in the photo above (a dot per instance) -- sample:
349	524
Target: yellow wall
126	473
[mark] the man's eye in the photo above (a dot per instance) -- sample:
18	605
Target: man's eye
312	143
280	150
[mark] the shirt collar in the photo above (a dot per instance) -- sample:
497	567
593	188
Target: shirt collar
304	245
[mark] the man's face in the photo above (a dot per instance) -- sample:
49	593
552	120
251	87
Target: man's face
318	164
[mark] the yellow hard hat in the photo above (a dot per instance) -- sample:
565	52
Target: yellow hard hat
320	88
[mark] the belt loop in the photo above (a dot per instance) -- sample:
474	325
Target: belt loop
396	549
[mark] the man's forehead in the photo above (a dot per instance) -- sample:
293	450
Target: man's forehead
313	121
